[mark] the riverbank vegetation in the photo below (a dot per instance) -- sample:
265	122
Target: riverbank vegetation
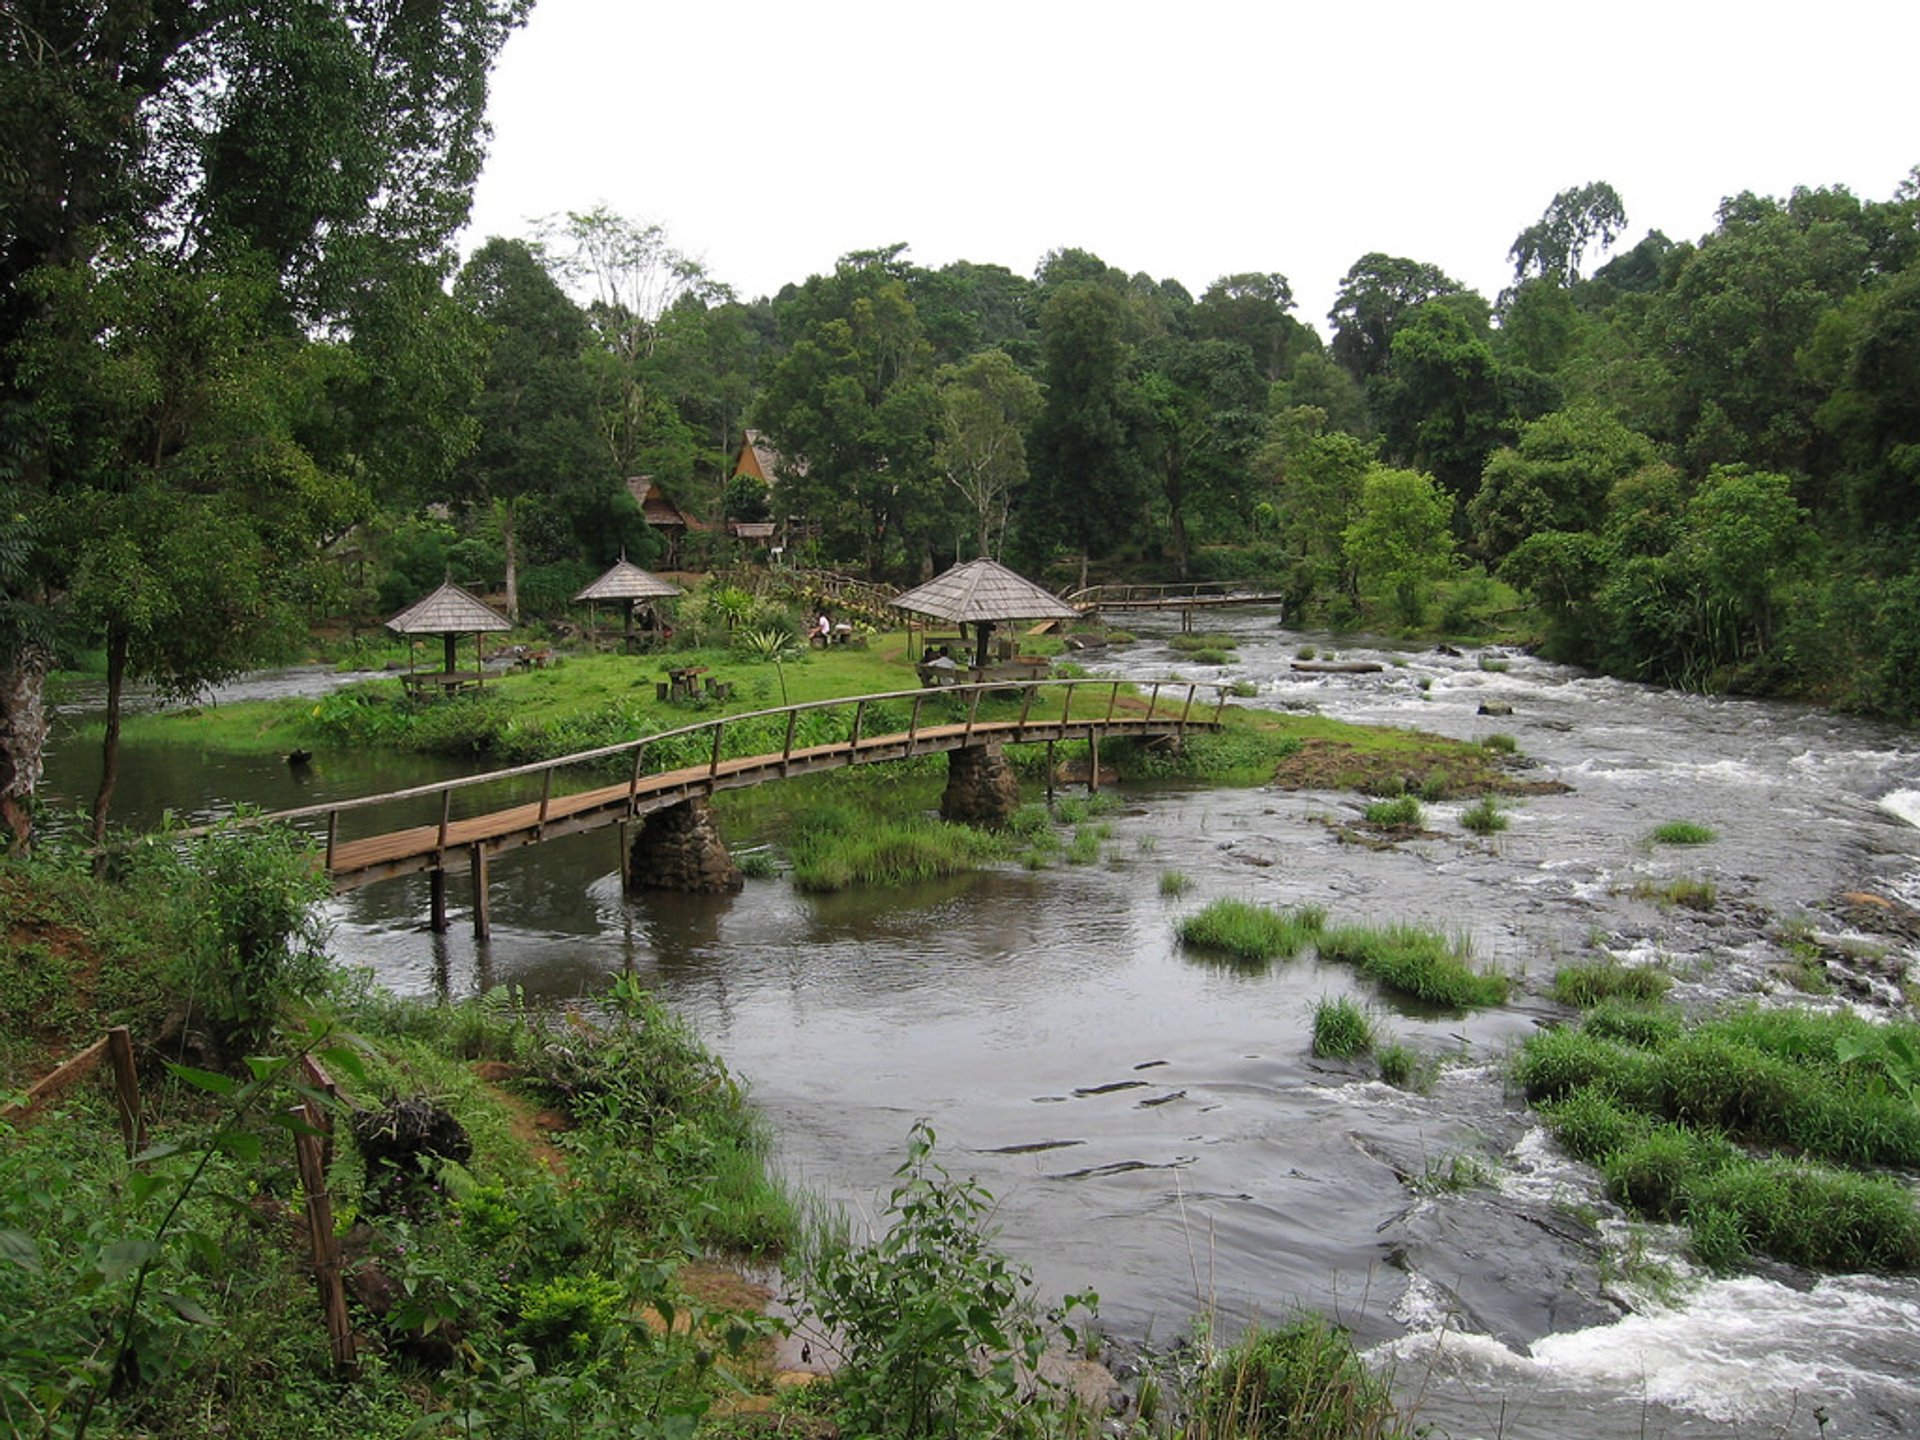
529	1206
1764	1132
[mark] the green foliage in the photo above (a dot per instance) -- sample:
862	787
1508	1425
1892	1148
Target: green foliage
833	848
1683	832
1420	963
1401	540
939	1337
1585	986
1403	813
1484	817
1341	1029
1300	1382
1679	1118
1250	934
247	942
1688	893
1500	744
1174	883
1402	1066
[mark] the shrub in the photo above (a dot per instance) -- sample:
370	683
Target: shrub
1302	1382
1400	1065
249	942
1690	894
1247	932
1173	882
1403	813
1583	986
1683	832
834	848
1416	962
1341	1029
1500	744
937	1325
1484	817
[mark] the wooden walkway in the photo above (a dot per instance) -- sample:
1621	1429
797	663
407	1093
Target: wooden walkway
1183	596
455	844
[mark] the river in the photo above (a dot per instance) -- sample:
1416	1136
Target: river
1155	1127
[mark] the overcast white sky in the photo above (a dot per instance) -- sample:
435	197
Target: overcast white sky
1189	140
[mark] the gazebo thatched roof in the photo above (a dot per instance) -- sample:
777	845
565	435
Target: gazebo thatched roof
984	591
447	611
627	581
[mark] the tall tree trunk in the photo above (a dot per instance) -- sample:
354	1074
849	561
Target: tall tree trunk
23	739
110	744
510	545
1177	521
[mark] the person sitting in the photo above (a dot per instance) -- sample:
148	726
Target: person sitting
822	630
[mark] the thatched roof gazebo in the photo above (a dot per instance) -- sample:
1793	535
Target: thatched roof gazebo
449	612
984	593
627	583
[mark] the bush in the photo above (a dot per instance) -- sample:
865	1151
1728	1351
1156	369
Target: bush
1416	962
1341	1029
1583	986
835	849
1683	832
1484	818
1248	932
1403	813
247	941
937	1326
1303	1382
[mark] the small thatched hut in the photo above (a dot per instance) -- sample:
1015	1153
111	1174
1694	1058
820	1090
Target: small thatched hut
984	593
450	612
628	584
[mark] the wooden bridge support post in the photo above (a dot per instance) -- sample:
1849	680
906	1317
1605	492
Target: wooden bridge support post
625	833
1050	773
981	786
1093	762
482	917
679	848
437	899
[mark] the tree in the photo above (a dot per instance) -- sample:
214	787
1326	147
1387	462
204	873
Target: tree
1440	402
1553	246
634	279
1317	474
1557	477
1377	293
1401	539
987	404
851	407
1200	407
1088	487
1252	311
535	412
192	193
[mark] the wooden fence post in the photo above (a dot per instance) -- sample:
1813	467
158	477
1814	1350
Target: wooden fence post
313	1152
126	1089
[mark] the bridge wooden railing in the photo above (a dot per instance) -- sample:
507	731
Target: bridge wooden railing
712	751
1165	593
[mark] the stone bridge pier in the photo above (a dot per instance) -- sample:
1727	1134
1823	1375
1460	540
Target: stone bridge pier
981	786
679	848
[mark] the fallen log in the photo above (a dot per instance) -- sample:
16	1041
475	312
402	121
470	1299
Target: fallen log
1338	667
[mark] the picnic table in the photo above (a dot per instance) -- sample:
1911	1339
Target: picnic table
683	681
423	684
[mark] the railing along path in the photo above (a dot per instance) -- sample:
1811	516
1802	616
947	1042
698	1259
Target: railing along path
1172	595
456	843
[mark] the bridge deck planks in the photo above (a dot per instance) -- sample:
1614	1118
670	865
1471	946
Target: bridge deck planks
418	848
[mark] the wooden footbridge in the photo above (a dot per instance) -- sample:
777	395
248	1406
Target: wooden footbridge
1186	597
708	757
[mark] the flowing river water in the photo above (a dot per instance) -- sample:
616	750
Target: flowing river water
1155	1127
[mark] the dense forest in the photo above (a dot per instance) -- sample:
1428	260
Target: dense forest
246	385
